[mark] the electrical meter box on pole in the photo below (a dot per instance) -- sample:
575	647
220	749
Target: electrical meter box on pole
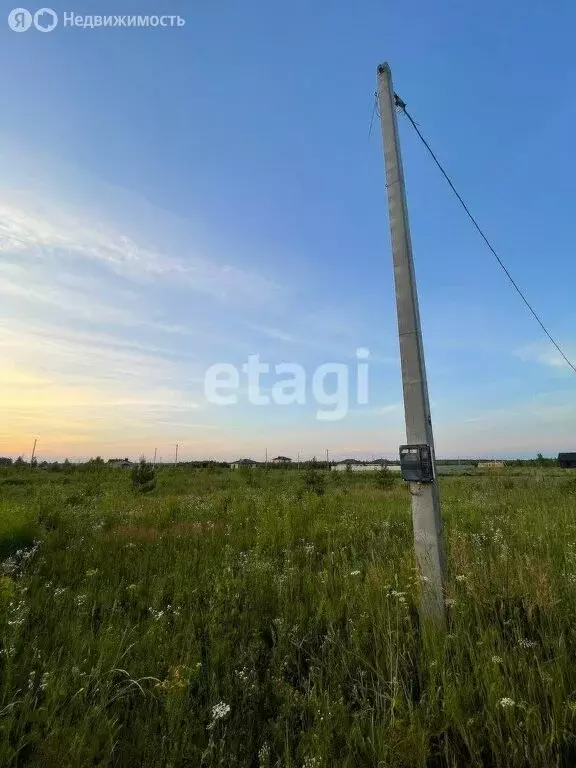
416	463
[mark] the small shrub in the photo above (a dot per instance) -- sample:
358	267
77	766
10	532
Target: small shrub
314	481
384	478
143	477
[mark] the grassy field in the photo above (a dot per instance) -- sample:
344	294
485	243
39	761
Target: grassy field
268	618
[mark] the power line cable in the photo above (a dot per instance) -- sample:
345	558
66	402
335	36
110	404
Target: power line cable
402	108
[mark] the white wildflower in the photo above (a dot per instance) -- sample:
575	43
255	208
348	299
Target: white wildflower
243	674
461	577
9	566
264	754
80	599
525	643
219	711
507	703
497	659
354	573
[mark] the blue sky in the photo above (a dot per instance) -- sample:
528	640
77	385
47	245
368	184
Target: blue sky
175	198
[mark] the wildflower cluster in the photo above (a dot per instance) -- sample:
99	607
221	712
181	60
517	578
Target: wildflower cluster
169	610
14	565
219	712
17	612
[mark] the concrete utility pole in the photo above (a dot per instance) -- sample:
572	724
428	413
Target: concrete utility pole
327	460
426	515
33	450
155	454
176	453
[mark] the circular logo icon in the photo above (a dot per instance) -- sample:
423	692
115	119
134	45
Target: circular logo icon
45	20
19	20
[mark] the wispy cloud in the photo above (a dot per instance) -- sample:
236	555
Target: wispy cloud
42	292
106	336
46	231
545	354
280	335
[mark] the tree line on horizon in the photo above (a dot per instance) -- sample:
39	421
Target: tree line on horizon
98	462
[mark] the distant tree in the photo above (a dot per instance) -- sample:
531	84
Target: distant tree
96	463
19	462
384	478
34	463
5	461
143	476
542	461
314	481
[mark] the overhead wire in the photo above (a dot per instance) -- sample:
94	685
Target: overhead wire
401	106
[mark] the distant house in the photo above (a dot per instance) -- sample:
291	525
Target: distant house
244	463
120	463
490	465
281	460
567	460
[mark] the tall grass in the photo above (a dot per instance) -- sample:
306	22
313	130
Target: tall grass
268	619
